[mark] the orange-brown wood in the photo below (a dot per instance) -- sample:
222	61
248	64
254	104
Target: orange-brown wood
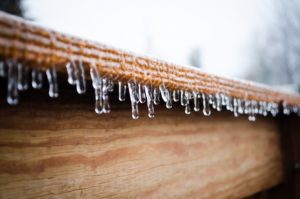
61	149
41	48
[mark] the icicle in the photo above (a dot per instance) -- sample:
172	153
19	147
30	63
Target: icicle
196	101
235	108
76	76
122	91
240	104
22	77
150	103
97	85
274	109
80	78
2	69
254	107
210	99
206	107
12	83
187	109
229	105
71	72
252	111
247	107
98	100
52	79
166	96
175	95
286	109
264	108
110	85
156	95
105	97
132	87
187	105
36	79
218	102
183	100
223	99
141	93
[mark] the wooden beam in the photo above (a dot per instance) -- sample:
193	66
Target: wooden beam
43	48
61	149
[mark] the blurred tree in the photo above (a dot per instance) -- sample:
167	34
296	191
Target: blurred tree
12	6
276	57
195	57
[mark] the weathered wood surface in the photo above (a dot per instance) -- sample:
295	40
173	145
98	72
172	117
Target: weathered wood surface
43	48
61	149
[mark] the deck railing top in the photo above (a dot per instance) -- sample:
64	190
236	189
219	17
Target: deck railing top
41	49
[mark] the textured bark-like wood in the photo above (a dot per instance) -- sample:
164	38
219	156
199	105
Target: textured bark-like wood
43	48
61	149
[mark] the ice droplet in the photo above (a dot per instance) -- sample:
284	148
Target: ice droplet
196	102
142	95
122	91
175	95
251	117
80	78
133	94
36	79
22	77
166	96
71	72
156	95
97	85
12	83
150	103
206	107
52	79
105	97
2	69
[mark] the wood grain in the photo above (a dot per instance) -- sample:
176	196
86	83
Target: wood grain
42	48
61	149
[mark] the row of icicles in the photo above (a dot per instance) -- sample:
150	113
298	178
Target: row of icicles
18	80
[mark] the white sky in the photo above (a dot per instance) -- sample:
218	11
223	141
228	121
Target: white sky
221	28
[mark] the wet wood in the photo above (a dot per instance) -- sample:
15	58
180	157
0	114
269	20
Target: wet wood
59	148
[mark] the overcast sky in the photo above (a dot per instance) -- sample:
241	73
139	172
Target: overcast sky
167	29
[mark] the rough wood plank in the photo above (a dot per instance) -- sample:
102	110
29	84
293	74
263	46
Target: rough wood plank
43	48
61	149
